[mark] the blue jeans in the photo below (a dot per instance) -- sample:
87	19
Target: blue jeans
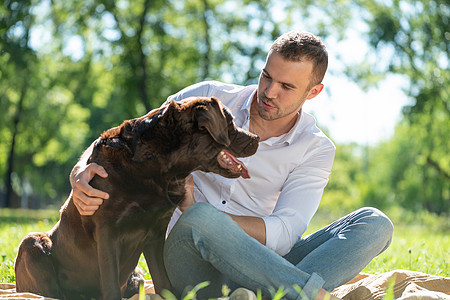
207	245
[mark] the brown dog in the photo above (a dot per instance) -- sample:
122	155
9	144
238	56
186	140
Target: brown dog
147	159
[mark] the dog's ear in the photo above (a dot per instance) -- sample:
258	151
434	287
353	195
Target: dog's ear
168	114
143	126
112	138
134	129
127	129
212	118
117	143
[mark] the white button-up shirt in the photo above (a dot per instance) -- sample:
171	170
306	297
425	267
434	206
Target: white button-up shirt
288	172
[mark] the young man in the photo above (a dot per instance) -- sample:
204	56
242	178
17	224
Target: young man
248	232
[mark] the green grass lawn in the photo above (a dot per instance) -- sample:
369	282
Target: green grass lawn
421	242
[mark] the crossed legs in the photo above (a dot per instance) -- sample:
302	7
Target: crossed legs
207	245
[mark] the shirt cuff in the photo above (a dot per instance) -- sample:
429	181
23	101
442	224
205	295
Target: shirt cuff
312	287
274	232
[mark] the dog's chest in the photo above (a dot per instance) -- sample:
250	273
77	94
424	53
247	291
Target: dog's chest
135	224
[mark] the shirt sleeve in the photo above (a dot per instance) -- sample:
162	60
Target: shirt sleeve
196	90
298	201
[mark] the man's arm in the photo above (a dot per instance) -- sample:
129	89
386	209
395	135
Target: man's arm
85	197
298	201
253	226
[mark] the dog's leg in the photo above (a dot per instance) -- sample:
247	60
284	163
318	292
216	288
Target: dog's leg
33	267
108	264
153	253
134	281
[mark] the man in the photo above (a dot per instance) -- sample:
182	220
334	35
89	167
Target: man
257	242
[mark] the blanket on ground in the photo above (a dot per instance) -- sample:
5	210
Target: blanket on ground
401	284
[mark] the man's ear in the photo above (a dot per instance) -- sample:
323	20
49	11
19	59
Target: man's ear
212	118
315	90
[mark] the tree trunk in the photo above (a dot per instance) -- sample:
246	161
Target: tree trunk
10	161
206	57
143	59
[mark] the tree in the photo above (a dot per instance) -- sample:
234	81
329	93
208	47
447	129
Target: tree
130	56
411	38
15	33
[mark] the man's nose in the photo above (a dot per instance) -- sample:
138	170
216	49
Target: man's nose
271	90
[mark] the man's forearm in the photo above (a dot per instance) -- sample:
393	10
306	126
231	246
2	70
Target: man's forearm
253	226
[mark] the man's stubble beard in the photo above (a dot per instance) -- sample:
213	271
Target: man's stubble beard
277	115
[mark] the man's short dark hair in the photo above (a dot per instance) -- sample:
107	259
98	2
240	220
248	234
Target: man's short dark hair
300	45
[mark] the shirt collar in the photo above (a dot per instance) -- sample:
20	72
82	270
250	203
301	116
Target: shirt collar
282	139
247	103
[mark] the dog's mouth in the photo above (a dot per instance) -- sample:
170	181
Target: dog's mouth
227	161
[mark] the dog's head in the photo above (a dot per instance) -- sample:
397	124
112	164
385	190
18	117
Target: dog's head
181	137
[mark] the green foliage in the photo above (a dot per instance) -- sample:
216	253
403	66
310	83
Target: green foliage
403	171
343	192
130	56
133	54
408	175
412	168
411	38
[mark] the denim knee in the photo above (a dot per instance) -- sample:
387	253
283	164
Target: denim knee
381	227
202	215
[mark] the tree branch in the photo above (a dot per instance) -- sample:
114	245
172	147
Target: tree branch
436	166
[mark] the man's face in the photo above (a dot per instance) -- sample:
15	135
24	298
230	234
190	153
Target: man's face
283	87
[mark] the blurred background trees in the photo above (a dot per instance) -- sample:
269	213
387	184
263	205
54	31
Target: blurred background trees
416	171
71	69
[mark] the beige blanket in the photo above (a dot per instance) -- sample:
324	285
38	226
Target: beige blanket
402	284
408	285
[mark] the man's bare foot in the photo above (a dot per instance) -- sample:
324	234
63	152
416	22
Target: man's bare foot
324	295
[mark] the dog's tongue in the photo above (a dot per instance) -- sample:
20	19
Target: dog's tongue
228	161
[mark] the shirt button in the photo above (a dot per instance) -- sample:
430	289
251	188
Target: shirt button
224	202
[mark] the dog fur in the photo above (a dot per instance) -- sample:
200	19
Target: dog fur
147	160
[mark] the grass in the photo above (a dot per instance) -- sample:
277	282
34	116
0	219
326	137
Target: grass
15	224
420	242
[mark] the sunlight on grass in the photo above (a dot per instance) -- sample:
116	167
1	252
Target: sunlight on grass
420	242
14	225
414	248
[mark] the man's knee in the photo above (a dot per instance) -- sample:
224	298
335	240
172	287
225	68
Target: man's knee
198	213
194	219
379	220
380	224
201	215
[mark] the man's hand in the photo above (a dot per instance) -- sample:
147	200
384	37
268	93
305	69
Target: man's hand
189	196
87	199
